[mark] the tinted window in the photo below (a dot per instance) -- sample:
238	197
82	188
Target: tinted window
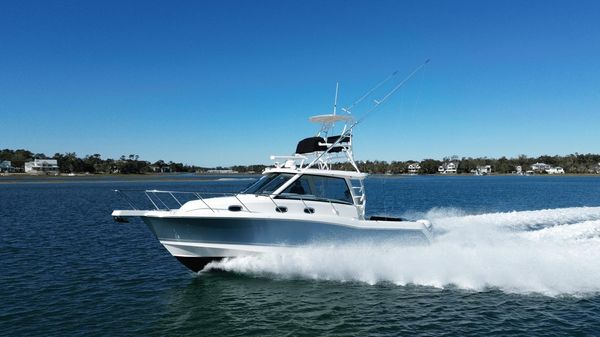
269	183
319	188
259	183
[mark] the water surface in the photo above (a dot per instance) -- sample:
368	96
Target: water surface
513	256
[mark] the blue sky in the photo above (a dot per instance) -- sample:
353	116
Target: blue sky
223	82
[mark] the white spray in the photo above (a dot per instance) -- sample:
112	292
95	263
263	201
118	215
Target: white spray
551	252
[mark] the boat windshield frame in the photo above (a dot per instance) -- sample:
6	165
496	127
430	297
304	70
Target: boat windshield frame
268	184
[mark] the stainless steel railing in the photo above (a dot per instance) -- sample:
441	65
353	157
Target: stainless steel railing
169	200
160	200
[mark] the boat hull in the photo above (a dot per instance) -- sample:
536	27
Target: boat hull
197	263
198	241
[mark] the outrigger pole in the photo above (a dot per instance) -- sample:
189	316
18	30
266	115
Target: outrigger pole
393	91
368	93
337	85
377	104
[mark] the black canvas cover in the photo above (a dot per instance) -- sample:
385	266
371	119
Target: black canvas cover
310	144
333	139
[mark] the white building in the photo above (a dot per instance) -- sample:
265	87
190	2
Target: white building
414	168
519	170
448	168
483	170
42	166
6	166
540	167
225	171
160	169
555	170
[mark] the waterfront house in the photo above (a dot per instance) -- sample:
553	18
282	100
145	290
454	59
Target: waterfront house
519	170
482	170
448	168
414	168
540	167
6	166
160	169
223	171
42	166
555	170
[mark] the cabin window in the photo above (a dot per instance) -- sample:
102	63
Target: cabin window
269	183
312	187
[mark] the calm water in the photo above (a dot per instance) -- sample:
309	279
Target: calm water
513	256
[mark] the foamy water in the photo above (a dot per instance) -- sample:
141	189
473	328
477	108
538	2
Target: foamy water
552	252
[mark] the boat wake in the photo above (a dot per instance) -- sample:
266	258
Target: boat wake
551	252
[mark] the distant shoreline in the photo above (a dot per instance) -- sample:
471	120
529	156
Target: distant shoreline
16	178
576	163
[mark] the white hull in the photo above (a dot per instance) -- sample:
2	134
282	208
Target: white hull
196	241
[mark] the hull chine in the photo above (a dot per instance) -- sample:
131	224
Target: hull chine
197	263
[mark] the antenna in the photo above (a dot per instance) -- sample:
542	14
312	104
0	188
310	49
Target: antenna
377	104
337	84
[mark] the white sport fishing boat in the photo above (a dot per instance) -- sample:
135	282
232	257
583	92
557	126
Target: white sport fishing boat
299	201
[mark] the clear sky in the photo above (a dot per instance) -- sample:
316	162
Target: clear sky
231	82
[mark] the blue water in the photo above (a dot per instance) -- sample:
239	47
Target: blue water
512	256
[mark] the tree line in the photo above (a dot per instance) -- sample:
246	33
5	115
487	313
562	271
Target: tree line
131	164
572	163
69	162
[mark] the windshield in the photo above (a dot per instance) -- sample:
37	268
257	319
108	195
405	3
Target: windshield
269	183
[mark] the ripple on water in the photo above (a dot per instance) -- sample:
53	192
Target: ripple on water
67	269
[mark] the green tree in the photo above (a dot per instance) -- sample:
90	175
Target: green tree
430	166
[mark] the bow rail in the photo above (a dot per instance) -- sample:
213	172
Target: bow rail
169	200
